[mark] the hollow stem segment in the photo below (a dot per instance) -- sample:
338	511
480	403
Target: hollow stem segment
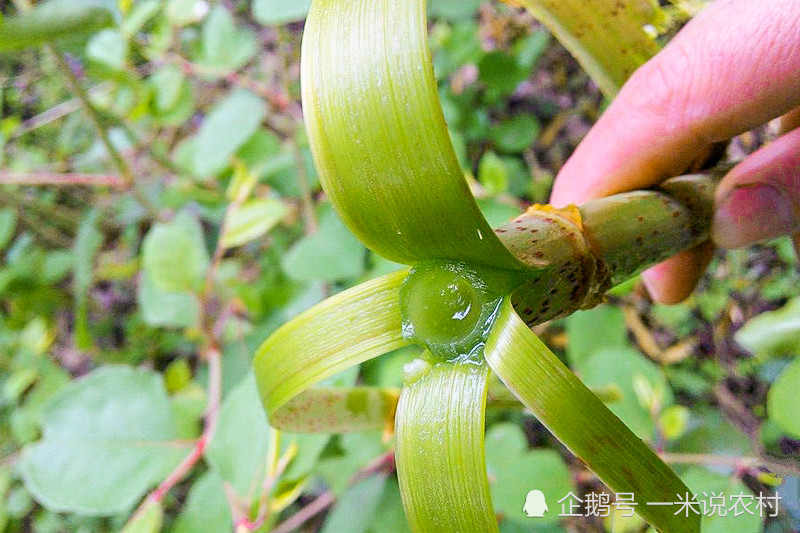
578	253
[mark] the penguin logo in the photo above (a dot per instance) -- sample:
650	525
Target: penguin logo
535	505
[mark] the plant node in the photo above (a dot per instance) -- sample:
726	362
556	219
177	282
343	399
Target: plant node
449	307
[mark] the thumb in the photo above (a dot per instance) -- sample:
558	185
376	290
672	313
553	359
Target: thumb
760	198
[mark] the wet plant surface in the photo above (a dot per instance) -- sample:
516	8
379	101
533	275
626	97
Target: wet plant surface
151	283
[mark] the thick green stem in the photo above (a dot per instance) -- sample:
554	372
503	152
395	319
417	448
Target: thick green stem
578	253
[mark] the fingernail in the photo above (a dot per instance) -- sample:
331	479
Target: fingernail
748	214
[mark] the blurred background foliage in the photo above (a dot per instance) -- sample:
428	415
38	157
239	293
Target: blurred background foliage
160	212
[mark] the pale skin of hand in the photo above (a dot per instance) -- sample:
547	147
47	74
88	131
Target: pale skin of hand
733	67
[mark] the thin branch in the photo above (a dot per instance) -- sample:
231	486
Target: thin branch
46	117
94	117
383	463
276	99
270	480
71	178
294	111
319	504
56	112
773	464
306	200
61	215
212	354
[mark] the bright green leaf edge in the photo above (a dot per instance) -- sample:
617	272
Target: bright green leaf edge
580	420
607	38
440	450
379	139
342	331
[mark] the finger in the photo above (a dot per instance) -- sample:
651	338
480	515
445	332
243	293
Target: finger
734	66
790	120
673	280
760	198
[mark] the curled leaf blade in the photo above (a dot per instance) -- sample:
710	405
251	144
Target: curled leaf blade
580	420
440	450
344	330
379	138
607	38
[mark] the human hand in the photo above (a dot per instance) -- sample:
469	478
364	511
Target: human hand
736	65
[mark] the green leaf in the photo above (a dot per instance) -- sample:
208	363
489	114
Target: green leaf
206	508
515	134
141	13
8	225
356	450
108	437
620	368
224	46
51	21
514	471
147	521
379	139
257	152
782	405
773	332
673	421
392	518
529	49
440	460
344	330
160	307
706	485
330	254
180	112
229	124
356	508
167	83
455	47
275	12
251	220
501	73
109	48
607	38
580	420
710	433
185	12
590	331
450	10
309	448
493	174
174	256
238	451
87	243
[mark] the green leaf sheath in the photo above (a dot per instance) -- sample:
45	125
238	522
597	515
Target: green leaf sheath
107	438
49	22
580	420
344	330
379	139
579	253
440	458
607	38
